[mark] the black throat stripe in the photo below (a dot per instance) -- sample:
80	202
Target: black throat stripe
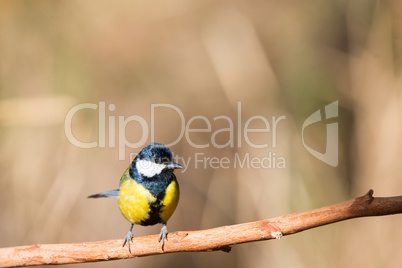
157	184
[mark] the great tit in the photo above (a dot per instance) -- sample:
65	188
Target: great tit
148	191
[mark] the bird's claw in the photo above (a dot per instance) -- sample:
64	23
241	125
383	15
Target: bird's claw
127	239
163	236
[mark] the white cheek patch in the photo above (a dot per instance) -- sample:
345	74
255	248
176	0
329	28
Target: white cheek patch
148	168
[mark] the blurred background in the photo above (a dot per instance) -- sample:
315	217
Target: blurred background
232	59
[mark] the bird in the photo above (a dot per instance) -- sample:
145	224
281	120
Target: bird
148	192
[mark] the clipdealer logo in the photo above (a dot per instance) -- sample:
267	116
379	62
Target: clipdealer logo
116	126
330	156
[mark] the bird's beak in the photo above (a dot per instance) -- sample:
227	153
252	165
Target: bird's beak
174	166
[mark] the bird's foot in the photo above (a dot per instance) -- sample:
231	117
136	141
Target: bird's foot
163	235
127	239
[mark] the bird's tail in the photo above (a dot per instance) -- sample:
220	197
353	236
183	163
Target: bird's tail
105	194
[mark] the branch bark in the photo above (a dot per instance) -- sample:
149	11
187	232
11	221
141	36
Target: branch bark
219	238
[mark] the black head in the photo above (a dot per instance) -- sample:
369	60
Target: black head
154	159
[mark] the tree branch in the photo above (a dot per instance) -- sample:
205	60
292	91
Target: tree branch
219	238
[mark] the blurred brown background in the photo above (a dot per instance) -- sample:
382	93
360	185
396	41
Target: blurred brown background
277	58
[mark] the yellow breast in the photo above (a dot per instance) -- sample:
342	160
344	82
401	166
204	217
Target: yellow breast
134	201
170	201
